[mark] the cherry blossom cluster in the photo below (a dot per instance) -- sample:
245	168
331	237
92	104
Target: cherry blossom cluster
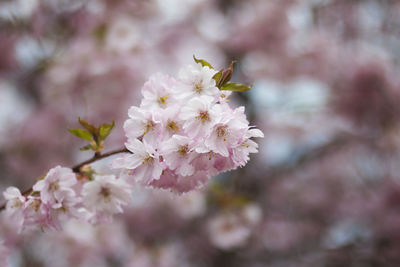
184	132
60	196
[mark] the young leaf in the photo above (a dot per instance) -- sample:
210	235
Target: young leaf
217	77
202	62
226	75
87	147
105	130
93	130
236	87
81	134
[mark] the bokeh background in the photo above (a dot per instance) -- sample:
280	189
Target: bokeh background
324	189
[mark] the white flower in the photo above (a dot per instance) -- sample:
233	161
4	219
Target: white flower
227	132
144	161
157	92
123	34
178	154
3	255
197	81
106	194
226	231
141	123
56	185
241	152
15	206
199	115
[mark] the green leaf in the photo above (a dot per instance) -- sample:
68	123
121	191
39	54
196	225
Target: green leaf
105	130
81	134
217	77
202	62
91	129
87	147
236	87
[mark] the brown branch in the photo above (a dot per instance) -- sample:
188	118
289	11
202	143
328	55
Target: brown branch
77	167
97	157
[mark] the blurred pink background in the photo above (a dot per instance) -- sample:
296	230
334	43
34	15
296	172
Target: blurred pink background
324	189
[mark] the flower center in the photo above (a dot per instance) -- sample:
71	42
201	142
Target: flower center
35	204
53	186
203	116
172	126
162	100
183	150
222	132
198	88
149	159
105	192
149	126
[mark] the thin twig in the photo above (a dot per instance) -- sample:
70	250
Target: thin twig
77	167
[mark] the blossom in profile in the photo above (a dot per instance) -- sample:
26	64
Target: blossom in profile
15	206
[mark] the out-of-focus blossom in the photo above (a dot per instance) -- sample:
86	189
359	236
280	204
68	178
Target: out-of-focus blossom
227	232
4	255
56	185
106	195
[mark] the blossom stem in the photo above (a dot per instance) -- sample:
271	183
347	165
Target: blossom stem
97	157
76	168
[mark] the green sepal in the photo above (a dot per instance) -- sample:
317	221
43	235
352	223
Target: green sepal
202	62
81	134
105	130
217	77
236	87
87	147
35	193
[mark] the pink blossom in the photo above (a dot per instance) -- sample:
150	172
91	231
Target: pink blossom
227	232
142	123
3	255
199	115
143	163
178	154
179	145
157	92
196	81
226	133
106	194
241	152
56	185
15	206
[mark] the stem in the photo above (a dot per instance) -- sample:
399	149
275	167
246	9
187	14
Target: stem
97	157
76	168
